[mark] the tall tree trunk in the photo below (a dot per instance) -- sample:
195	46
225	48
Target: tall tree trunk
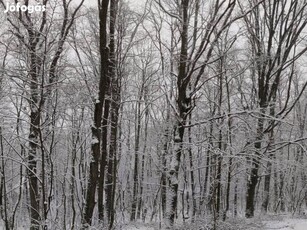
184	107
3	191
104	152
281	192
191	170
220	142
140	201
96	128
138	118
207	171
163	161
112	164
35	118
254	177
229	137
163	176
235	200
75	141
167	135
115	104
267	178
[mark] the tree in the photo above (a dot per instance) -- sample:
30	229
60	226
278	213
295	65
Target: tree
97	126
274	43
33	37
115	103
191	67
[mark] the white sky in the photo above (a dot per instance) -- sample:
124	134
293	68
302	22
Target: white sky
135	4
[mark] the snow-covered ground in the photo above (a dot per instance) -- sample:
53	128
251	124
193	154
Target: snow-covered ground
280	223
139	228
258	223
287	224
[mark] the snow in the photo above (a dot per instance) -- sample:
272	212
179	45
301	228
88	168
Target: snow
237	224
286	224
139	226
94	141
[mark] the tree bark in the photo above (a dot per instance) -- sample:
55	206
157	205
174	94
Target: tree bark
114	118
35	118
184	106
138	118
254	177
96	128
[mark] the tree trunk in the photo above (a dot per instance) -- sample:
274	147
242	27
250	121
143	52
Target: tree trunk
235	200
192	170
35	118
229	137
115	104
3	191
136	160
96	128
174	180
112	164
220	144
254	177
163	176
140	201
184	107
104	152
267	185
207	171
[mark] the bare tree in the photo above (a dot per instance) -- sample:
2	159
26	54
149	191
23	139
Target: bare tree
275	46
193	60
98	111
33	37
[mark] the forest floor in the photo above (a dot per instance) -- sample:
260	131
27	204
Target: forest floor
286	224
258	223
267	222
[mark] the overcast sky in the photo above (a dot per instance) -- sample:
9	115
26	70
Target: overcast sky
136	4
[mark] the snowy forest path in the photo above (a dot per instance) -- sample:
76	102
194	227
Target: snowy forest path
287	224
